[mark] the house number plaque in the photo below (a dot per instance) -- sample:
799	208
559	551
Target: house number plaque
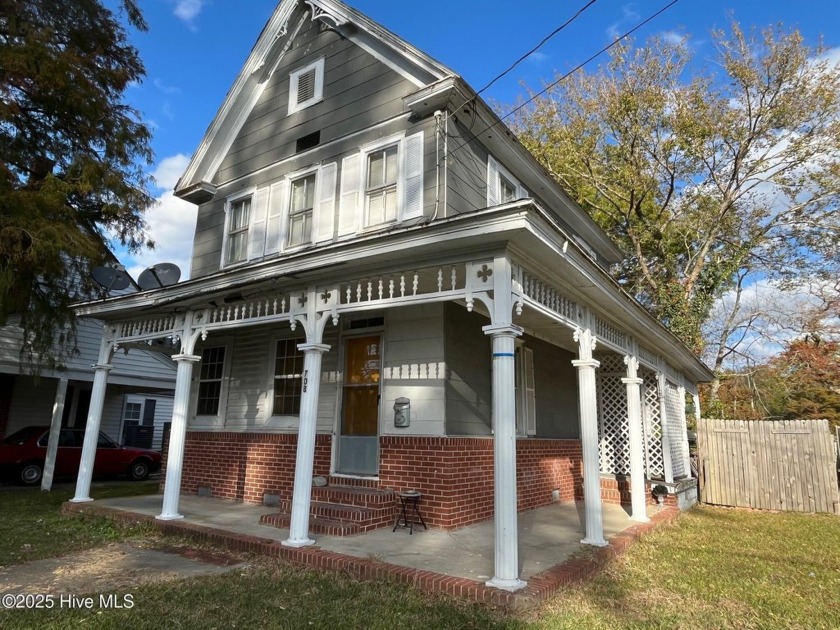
305	379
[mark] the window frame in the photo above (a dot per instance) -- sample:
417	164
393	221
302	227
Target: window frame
230	202
273	376
397	141
224	380
502	173
287	245
294	86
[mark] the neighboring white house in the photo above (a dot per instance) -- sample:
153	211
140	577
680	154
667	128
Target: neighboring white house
139	393
389	291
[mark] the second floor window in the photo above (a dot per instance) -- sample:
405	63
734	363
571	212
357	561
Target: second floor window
300	210
239	216
381	186
507	190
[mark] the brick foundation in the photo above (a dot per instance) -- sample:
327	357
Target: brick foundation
455	474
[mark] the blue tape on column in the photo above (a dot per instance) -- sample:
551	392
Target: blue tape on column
502	354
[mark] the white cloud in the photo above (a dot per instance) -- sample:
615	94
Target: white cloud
171	223
166	89
628	15
171	226
169	170
675	38
537	57
187	11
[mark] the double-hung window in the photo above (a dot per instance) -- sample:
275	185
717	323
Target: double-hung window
507	190
288	378
300	210
210	381
381	186
238	220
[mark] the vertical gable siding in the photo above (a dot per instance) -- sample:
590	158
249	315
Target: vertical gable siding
359	91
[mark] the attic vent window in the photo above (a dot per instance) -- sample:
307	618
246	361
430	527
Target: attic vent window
308	141
306	86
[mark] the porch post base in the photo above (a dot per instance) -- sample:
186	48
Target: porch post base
594	542
168	517
640	519
306	542
80	500
507	585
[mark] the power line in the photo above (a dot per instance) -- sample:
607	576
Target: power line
567	75
540	45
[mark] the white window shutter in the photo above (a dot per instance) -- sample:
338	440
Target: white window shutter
413	170
276	209
348	205
257	229
492	182
530	394
324	211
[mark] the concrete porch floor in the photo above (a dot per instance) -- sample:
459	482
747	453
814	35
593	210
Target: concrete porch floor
547	536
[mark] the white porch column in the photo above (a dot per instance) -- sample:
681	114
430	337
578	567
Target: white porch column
666	430
97	400
506	574
55	428
696	400
588	403
177	436
634	419
305	460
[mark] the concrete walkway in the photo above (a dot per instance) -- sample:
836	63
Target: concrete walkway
547	536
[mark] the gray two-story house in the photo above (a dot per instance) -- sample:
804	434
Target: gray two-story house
389	292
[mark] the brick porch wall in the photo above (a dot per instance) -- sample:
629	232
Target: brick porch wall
243	466
455	474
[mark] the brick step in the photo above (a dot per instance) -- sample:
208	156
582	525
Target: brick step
345	513
360	482
353	495
316	525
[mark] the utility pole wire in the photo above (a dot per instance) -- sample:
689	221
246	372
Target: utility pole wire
568	74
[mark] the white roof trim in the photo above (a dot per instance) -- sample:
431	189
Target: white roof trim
248	87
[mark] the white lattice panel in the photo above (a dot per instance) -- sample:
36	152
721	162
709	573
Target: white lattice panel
652	426
613	426
674	409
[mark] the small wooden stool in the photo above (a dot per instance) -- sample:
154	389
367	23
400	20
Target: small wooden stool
409	498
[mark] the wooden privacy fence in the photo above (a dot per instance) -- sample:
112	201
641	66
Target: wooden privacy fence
782	465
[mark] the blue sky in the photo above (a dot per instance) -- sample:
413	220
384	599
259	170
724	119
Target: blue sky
195	48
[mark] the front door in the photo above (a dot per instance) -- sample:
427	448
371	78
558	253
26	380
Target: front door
358	439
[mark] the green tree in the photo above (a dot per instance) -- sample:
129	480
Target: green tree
72	159
702	178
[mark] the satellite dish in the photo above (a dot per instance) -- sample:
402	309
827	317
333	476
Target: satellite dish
160	275
111	278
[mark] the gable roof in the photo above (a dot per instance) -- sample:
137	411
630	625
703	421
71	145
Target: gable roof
266	55
438	87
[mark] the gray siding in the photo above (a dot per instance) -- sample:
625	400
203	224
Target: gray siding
468	385
469	381
249	383
414	368
466	176
359	91
556	390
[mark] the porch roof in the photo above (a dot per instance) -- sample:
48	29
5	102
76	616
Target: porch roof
530	235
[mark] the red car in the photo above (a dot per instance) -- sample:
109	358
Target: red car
22	456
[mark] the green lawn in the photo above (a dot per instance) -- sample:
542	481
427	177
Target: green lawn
32	528
715	568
